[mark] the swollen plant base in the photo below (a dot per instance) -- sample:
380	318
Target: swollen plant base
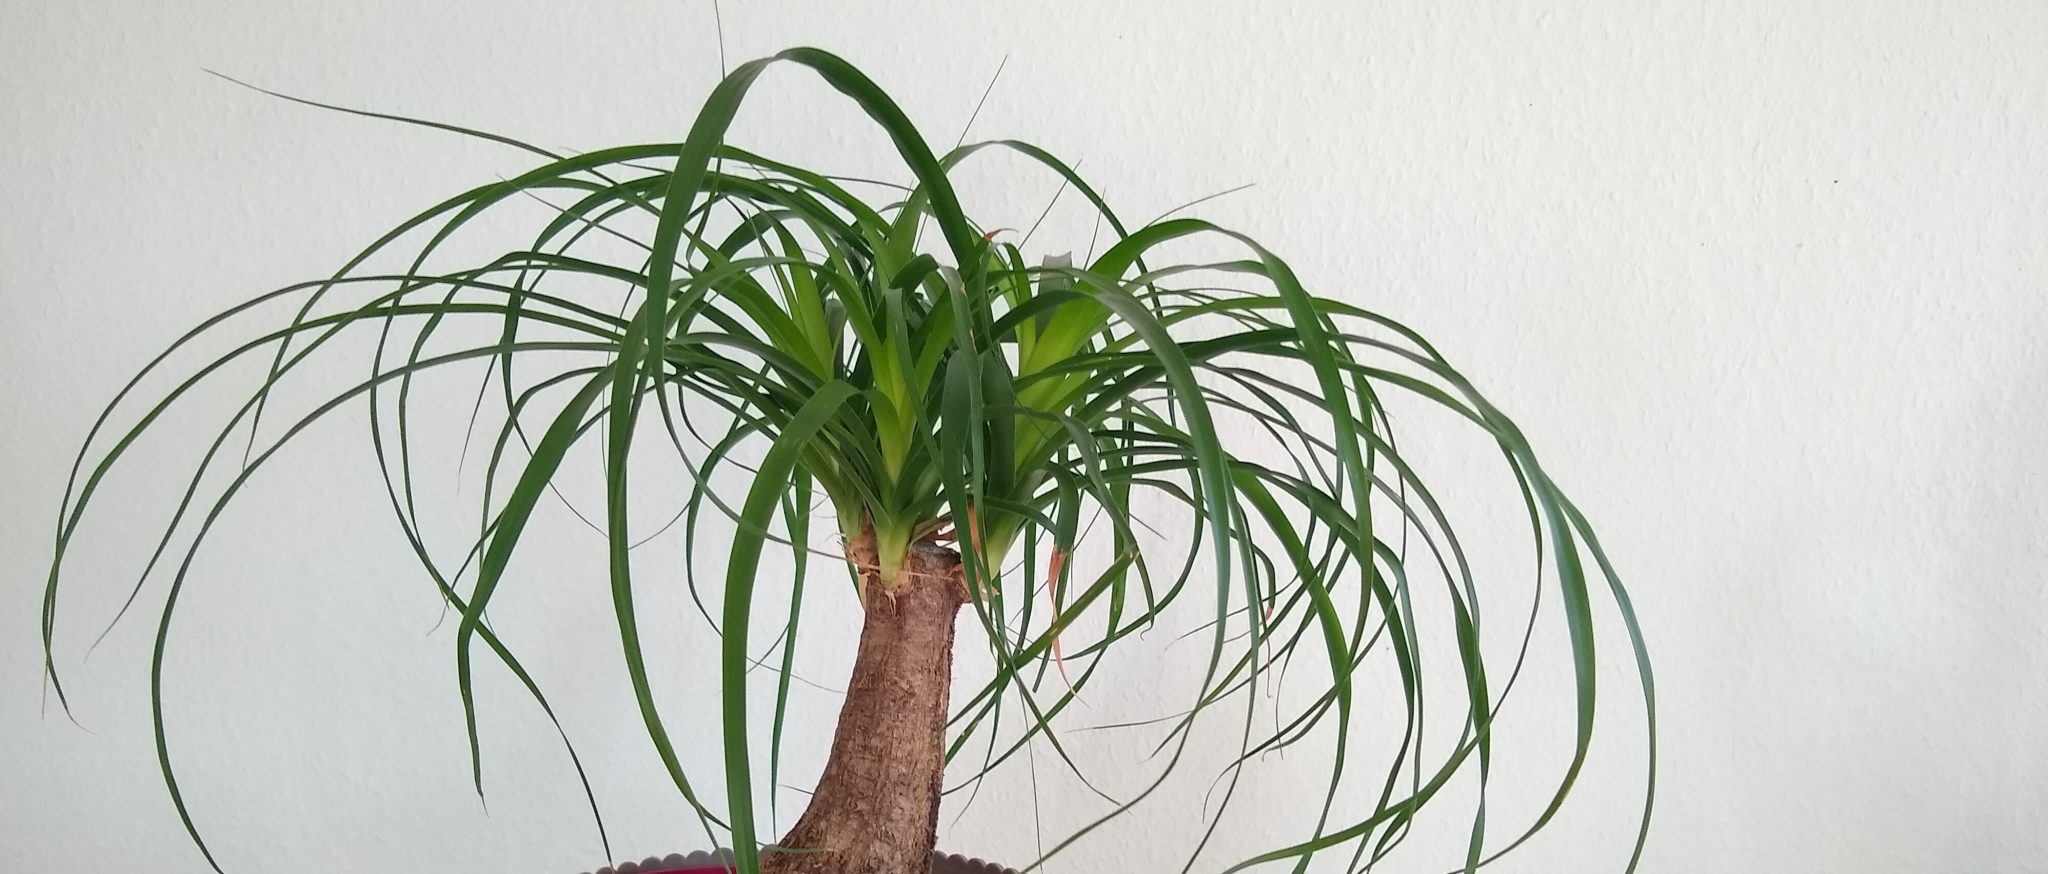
876	806
701	862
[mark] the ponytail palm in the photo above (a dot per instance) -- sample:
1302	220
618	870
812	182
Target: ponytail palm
972	418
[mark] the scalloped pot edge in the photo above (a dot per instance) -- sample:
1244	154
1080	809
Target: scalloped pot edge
701	862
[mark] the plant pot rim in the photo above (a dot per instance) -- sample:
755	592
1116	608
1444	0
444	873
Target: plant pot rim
703	862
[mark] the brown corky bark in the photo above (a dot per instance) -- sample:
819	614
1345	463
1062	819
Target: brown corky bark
876	808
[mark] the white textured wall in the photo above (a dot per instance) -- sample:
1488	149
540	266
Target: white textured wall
1764	281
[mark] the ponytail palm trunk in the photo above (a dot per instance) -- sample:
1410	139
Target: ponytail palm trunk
876	809
990	438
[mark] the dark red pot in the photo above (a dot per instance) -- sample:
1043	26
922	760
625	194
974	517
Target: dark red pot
701	862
